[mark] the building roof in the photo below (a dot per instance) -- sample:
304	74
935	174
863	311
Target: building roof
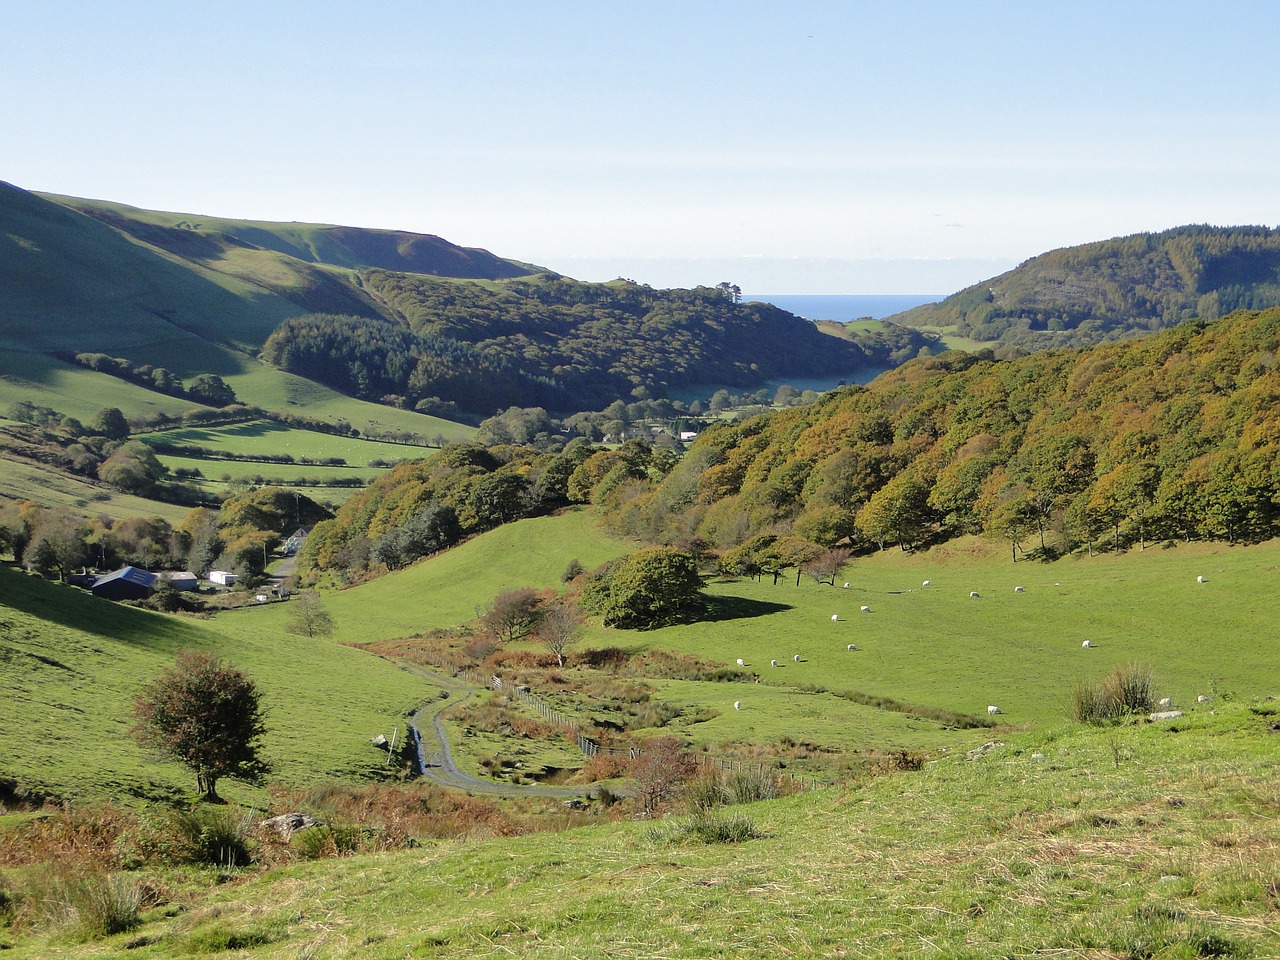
134	575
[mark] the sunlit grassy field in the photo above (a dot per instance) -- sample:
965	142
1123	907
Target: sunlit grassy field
447	589
23	481
265	437
71	663
939	647
1156	841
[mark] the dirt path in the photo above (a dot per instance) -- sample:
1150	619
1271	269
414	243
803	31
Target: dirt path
435	759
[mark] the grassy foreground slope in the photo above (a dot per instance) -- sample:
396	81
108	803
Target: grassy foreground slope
70	665
1153	841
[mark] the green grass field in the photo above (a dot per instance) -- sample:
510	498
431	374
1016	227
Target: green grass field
939	647
266	437
1157	841
75	391
445	590
25	481
71	663
233	470
930	647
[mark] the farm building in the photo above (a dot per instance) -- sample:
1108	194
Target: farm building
181	579
128	583
223	578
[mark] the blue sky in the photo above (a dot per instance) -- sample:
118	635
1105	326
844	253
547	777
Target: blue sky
799	147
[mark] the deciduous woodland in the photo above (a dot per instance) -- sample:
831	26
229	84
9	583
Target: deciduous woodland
1116	288
557	343
1171	437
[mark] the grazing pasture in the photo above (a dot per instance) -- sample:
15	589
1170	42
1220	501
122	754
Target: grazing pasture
1168	849
1022	650
20	480
70	664
267	438
447	589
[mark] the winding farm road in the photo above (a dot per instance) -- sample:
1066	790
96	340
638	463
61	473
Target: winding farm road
435	759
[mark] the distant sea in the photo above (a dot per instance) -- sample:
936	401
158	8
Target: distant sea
843	308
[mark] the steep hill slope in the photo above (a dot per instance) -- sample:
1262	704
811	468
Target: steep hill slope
355	248
1116	288
73	284
1168	437
70	664
384	315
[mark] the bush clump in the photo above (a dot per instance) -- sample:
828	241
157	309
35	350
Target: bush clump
1125	691
94	902
706	826
213	835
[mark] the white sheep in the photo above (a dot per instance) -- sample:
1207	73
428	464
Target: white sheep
835	617
741	662
773	663
973	594
1087	644
1164	702
993	709
852	646
796	658
926	583
1202	699
846	584
1199	579
865	608
737	704
1019	589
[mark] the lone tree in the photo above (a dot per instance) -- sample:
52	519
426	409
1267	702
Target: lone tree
308	616
512	614
207	715
559	627
643	590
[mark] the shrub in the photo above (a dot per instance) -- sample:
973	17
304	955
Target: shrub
313	843
96	903
704	792
747	785
213	835
706	826
1126	690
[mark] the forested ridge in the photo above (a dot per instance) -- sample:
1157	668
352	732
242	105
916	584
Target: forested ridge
1118	288
1176	436
561	344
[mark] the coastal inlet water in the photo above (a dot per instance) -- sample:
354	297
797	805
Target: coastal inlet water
844	308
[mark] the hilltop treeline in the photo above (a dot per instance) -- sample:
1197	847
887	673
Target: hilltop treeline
560	344
1177	435
425	506
1113	289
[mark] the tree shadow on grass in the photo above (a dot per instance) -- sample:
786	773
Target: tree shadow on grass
716	609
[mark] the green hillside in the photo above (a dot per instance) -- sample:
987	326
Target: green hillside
72	283
1152	841
71	664
1113	289
353	248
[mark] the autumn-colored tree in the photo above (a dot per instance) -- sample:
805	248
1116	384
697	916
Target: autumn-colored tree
659	772
512	614
207	715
